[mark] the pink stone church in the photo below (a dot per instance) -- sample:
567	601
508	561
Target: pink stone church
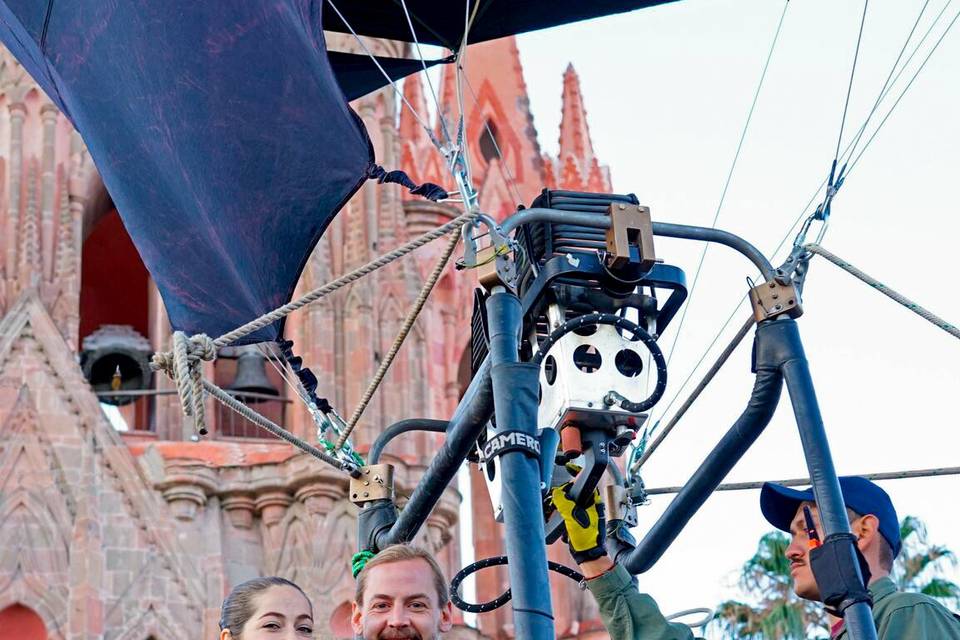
116	522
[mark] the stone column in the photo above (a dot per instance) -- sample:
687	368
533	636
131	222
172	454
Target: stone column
48	115
18	112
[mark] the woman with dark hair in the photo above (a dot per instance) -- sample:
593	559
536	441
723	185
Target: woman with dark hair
266	608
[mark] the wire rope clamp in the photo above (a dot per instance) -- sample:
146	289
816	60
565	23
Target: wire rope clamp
374	483
630	236
774	298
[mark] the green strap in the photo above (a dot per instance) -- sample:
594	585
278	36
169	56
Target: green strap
359	561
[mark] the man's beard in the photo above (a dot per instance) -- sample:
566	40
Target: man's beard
400	634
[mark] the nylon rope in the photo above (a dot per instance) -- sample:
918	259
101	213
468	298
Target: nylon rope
312	296
726	185
261	421
797	482
408	323
924	313
815	249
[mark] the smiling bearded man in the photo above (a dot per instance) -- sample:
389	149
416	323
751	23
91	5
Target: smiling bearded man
402	594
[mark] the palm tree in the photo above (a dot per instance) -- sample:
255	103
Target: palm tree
777	613
919	563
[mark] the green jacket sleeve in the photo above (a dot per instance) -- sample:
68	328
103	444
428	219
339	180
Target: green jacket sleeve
629	614
920	621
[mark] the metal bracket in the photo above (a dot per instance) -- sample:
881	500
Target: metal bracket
630	225
619	504
774	298
496	268
375	483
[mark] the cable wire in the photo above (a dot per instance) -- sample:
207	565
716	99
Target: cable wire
726	186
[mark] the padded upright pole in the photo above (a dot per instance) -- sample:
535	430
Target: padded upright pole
816	451
515	386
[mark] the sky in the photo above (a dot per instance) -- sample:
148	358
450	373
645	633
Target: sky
667	92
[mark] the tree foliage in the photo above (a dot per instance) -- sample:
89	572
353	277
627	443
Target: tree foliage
772	611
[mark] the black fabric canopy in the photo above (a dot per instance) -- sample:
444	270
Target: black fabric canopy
442	22
222	131
357	74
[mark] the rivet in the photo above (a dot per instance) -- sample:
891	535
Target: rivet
776	295
772	284
366	483
622	207
778	307
366	494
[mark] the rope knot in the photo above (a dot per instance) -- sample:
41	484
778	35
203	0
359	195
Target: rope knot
182	365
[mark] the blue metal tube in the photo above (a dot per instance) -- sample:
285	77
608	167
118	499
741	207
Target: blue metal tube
719	462
687	232
823	475
466	424
515	387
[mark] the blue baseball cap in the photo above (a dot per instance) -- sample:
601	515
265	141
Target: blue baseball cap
779	505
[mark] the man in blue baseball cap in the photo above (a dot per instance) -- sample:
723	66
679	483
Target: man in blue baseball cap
873	520
630	615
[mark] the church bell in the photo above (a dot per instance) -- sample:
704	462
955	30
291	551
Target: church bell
252	375
116	358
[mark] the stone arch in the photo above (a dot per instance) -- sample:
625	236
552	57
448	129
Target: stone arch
151	626
34	594
18	622
33	517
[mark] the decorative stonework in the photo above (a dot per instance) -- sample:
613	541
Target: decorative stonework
140	535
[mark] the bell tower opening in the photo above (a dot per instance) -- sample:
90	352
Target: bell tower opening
114	320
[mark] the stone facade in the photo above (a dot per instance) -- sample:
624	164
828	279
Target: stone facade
139	532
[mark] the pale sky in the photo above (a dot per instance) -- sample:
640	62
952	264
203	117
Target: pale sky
667	91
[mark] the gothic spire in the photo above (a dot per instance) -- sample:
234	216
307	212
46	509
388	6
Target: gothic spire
574	132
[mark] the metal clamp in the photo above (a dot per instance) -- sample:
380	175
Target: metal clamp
773	298
375	483
630	225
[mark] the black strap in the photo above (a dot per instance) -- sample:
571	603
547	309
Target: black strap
834	567
506	441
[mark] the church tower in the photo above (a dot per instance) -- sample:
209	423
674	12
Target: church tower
114	517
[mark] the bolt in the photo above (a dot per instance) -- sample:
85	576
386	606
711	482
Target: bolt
778	307
589	404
